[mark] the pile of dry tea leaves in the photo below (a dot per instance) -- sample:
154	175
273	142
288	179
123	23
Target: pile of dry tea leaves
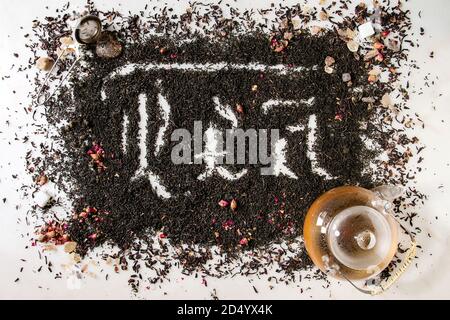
330	72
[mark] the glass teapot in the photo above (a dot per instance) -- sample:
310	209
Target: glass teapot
351	233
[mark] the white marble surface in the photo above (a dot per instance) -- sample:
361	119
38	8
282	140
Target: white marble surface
430	279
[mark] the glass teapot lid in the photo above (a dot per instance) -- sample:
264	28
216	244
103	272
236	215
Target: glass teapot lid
348	233
359	237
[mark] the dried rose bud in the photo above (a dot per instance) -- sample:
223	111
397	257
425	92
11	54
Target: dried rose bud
372	78
323	15
288	35
233	205
329	61
223	203
385	33
280	46
378	45
162	235
83	214
239	108
243	242
50	234
90	210
42	179
379	57
228	224
97	148
93	236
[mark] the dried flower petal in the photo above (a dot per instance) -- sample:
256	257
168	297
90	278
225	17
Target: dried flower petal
371	54
233	205
385	33
392	44
376	71
372	78
329	70
346	77
386	101
323	15
316	30
353	46
66	41
44	63
70	246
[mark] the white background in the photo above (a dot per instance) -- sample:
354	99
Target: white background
430	279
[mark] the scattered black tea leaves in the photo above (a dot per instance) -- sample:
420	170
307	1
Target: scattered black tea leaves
249	224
